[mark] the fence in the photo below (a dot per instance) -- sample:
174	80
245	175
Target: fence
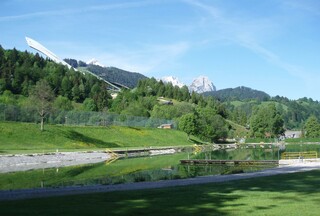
18	114
299	155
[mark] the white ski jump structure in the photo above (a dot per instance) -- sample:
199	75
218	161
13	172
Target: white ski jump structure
39	47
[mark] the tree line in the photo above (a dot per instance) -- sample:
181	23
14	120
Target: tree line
23	76
20	71
294	112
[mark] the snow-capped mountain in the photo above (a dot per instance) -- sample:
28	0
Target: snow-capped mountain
202	84
95	62
173	80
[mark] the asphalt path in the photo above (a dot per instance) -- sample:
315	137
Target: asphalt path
49	192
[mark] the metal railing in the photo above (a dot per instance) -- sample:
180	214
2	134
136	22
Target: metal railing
73	117
299	155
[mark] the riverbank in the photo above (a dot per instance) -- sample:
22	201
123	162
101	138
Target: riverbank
23	162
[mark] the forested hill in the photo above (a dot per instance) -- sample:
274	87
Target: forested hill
111	74
116	75
21	71
239	94
241	103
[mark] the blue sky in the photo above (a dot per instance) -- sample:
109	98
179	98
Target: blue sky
271	45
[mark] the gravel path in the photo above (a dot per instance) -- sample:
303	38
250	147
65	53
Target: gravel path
48	192
13	163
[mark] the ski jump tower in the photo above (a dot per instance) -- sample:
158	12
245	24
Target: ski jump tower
37	46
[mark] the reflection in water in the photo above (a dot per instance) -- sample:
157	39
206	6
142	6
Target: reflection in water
137	169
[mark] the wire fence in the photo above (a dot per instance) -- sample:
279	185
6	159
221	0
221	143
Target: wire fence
19	114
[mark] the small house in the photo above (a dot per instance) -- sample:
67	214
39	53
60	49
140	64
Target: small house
166	126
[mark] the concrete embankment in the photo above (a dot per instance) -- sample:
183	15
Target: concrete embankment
147	152
300	162
22	162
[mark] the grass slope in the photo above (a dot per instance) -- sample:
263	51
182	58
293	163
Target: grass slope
239	130
26	136
289	194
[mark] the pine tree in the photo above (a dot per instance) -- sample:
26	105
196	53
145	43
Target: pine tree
312	127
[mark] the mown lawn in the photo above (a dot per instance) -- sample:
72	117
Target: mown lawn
289	194
27	136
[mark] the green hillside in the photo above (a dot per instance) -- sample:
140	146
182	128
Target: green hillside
27	136
116	75
240	93
293	112
111	74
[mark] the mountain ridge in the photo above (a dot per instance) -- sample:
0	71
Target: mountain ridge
239	93
117	75
110	74
173	80
199	85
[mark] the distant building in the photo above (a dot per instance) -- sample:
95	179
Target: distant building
166	126
292	134
164	101
114	95
167	102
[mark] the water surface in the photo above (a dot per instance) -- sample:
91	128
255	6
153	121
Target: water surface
137	169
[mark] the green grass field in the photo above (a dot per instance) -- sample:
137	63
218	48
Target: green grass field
28	137
289	194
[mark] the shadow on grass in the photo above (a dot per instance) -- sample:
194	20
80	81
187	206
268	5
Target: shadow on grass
135	128
76	136
79	170
220	198
196	141
145	202
229	198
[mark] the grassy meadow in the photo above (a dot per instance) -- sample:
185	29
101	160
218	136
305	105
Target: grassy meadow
288	194
28	137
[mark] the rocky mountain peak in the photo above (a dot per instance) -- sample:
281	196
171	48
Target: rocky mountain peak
202	84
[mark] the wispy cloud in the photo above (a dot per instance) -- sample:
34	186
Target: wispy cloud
311	6
248	34
273	58
92	8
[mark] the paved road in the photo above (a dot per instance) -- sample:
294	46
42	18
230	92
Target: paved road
47	192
